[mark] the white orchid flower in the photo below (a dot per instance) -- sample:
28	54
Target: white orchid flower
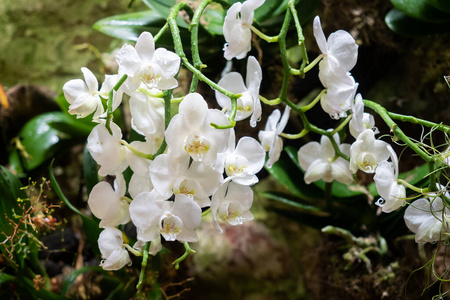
190	131
147	116
236	28
269	138
339	96
139	183
173	220
320	161
111	247
249	103
392	194
106	149
155	246
108	85
83	96
427	219
174	175
145	65
140	180
360	120
232	203
109	205
367	152
340	50
243	161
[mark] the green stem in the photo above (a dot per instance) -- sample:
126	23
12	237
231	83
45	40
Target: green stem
283	54
314	102
132	250
147	92
301	38
382	112
295	136
137	152
195	23
172	21
184	256
431	169
161	32
167	117
208	81
143	265
206	212
414	120
275	101
309	67
414	188
342	125
109	115
269	39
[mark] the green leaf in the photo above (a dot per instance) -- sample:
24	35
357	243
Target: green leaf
213	18
294	202
443	5
91	228
270	9
401	24
89	171
421	10
162	7
15	163
10	191
129	26
289	176
40	140
6	278
72	276
27	290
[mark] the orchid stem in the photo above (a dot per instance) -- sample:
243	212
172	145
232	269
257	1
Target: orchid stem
143	265
109	115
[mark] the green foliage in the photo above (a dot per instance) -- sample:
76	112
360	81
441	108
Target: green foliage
317	204
90	226
419	17
46	134
11	191
341	206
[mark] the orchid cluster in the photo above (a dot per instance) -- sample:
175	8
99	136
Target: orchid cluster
428	219
190	164
180	171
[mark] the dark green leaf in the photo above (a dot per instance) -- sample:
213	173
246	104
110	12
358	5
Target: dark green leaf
27	290
6	278
421	10
269	9
401	24
72	276
90	226
10	191
40	140
289	176
15	163
89	171
72	127
294	202
443	5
